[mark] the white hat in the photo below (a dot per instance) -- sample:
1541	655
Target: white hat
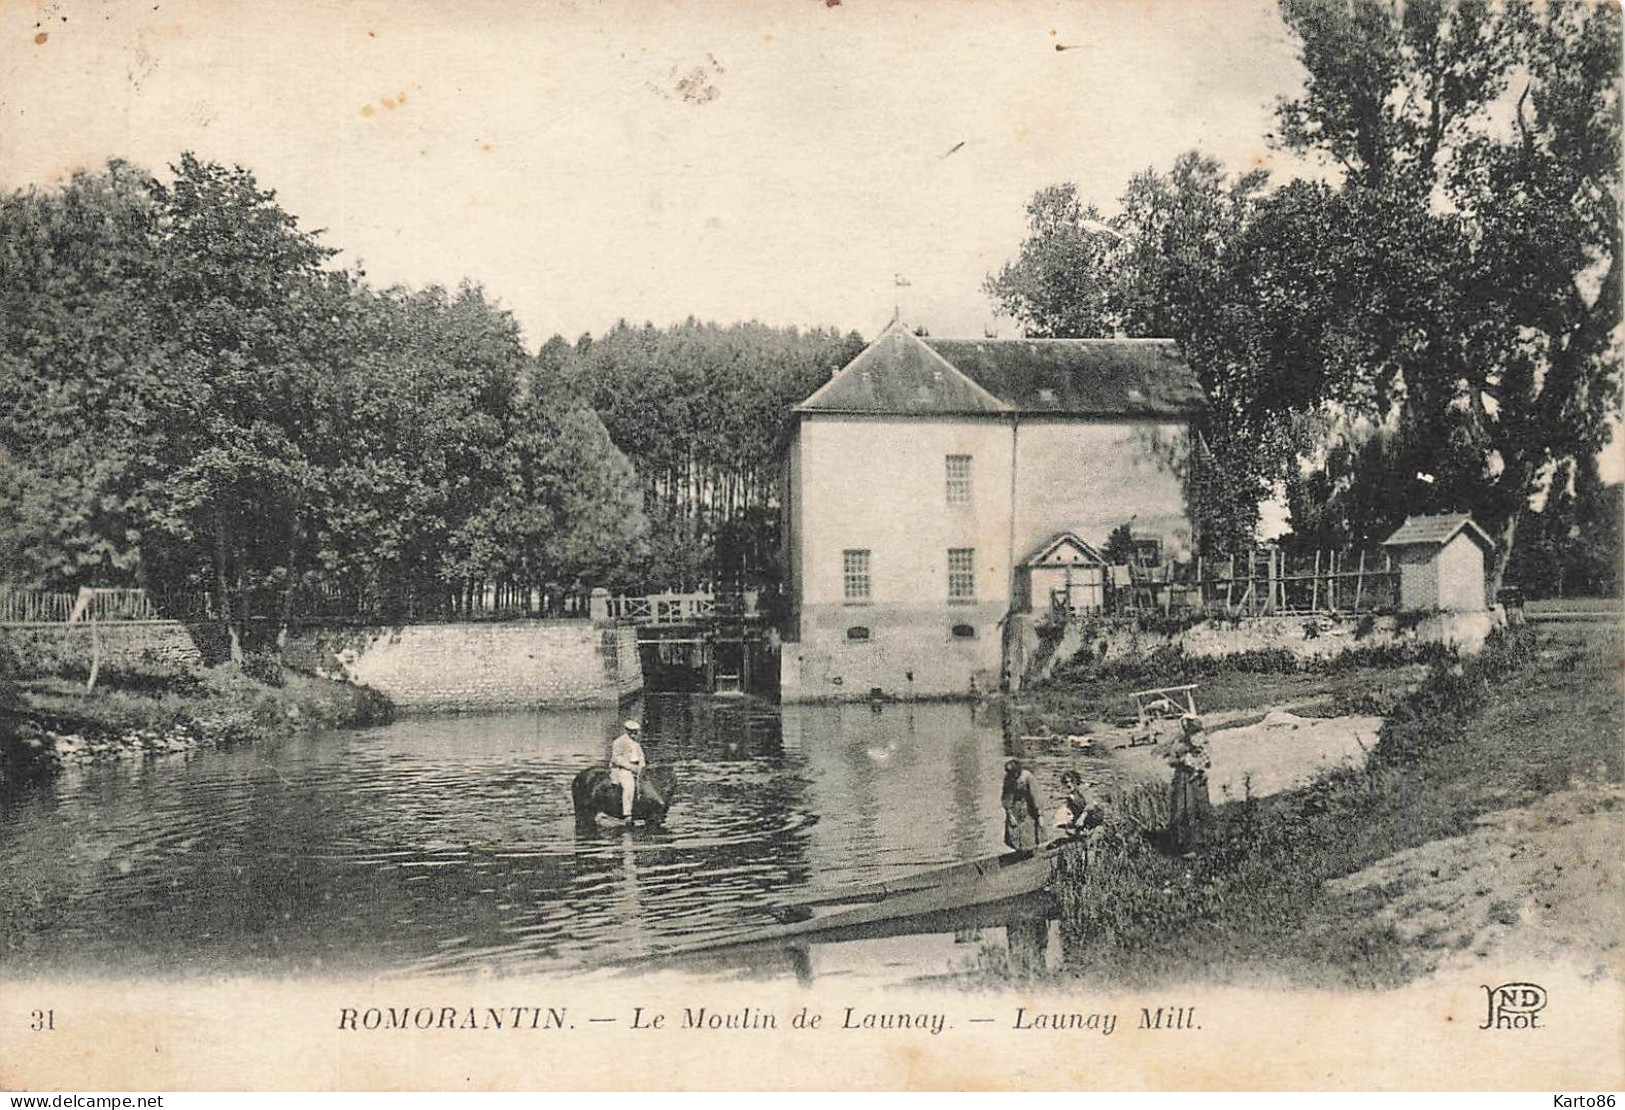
631	726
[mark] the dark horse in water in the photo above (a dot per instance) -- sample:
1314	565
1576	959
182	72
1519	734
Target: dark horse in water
593	793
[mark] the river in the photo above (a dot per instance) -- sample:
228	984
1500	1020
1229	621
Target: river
447	845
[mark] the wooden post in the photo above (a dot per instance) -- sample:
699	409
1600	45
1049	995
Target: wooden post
1331	585
1314	593
95	653
1274	580
1359	580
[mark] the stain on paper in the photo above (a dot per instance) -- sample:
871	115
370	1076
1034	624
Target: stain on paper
694	85
389	103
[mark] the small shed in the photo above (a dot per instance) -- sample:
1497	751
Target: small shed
1441	562
1065	573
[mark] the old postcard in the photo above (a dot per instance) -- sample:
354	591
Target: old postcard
822	545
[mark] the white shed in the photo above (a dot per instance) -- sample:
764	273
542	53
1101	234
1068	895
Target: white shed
1441	563
1065	573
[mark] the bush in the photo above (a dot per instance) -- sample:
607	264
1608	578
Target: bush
1435	713
263	666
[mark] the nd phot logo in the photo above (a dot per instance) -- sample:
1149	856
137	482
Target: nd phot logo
1514	1006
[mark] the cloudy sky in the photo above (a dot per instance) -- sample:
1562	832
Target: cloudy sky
782	161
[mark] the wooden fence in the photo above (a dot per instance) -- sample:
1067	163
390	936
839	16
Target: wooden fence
1261	582
86	606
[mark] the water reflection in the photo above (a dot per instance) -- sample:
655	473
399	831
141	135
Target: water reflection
448	844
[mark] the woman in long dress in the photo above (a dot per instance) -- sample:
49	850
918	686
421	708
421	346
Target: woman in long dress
1190	809
1021	810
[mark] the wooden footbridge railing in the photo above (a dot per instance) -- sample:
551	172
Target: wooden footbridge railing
659	610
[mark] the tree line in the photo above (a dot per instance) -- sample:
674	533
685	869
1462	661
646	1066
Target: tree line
1434	326
703	412
195	400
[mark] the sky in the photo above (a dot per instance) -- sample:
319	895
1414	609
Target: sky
784	162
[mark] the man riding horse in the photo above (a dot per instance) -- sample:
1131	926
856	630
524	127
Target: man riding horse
626	765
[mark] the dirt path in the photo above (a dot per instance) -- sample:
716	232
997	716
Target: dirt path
1529	885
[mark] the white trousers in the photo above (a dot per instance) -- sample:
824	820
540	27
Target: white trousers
628	783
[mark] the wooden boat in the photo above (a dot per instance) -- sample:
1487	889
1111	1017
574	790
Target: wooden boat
894	905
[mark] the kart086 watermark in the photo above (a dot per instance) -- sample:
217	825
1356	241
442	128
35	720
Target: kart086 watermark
1514	1006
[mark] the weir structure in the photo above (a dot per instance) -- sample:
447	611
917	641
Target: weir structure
717	643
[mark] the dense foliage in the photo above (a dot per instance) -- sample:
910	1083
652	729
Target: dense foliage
192	399
1444	311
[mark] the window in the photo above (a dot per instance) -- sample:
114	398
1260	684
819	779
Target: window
961	574
959	479
964	632
855	572
857	632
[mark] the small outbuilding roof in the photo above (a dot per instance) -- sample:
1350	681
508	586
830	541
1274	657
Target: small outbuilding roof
1436	531
1081	552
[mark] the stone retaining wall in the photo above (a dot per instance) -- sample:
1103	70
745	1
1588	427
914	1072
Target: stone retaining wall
449	667
1303	637
57	646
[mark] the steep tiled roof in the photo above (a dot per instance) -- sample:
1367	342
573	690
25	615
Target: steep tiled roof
1080	377
901	372
1437	531
898	373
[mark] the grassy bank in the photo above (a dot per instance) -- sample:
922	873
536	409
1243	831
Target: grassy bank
50	720
1529	716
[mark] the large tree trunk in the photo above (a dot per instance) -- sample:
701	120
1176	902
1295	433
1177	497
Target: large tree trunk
1508	533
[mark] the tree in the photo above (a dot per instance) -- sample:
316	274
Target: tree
1059	284
237	283
574	511
1508	363
80	356
1168	266
1119	549
1574	546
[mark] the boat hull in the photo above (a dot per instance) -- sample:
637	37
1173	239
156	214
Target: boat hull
887	909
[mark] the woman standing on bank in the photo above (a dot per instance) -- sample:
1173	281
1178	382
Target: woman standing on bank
1189	809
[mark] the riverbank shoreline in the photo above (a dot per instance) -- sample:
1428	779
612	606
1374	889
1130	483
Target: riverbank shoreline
49	722
1288	889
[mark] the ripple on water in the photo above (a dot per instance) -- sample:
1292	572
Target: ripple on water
448	845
